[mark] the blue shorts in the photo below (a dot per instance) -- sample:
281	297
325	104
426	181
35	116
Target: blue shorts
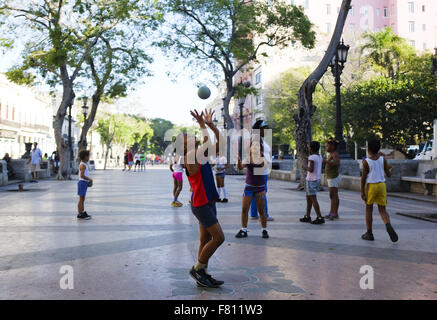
82	187
221	174
250	191
311	187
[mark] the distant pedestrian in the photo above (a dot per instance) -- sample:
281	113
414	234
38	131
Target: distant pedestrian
125	160
35	161
333	176
221	164
313	179
137	161
8	159
84	183
177	169
130	159
374	190
143	160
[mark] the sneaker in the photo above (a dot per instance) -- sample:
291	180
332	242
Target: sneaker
265	234
306	219
83	216
225	200
368	236
215	283
392	233
254	218
318	220
270	219
176	204
331	216
241	234
201	278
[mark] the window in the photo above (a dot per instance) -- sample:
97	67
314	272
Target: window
258	78
307	4
351	11
423	8
352	27
424	46
423	27
258	100
411	26
13	113
328	9
7	112
413	43
365	11
378	12
385	12
411	7
328	28
393	10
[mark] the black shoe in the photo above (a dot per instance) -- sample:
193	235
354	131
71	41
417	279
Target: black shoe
265	234
241	234
83	216
319	220
218	200
201	278
225	200
368	236
215	283
306	219
392	233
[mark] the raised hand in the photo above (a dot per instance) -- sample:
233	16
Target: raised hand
207	116
198	117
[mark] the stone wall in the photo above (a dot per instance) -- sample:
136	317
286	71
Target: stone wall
3	173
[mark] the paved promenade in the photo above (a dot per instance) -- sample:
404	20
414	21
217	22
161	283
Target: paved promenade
138	247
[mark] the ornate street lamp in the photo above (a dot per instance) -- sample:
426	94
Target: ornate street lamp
85	114
337	65
70	142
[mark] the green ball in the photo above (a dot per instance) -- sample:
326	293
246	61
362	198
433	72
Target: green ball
204	92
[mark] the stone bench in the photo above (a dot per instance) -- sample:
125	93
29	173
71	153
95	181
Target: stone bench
425	180
21	169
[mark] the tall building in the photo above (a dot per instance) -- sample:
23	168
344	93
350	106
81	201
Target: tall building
414	20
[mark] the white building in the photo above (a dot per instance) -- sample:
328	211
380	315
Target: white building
26	115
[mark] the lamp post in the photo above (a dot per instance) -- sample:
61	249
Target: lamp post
70	143
434	63
241	102
337	65
85	114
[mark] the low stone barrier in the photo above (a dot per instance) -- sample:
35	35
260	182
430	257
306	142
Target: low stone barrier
21	169
3	173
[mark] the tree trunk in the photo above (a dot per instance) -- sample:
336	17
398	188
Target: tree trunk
88	122
64	171
303	119
106	155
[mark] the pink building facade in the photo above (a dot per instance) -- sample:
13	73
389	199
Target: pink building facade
414	20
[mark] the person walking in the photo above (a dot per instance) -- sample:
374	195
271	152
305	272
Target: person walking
177	170
35	161
220	166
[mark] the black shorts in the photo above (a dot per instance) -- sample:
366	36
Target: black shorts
138	162
207	214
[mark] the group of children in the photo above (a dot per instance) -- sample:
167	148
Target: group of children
205	195
373	187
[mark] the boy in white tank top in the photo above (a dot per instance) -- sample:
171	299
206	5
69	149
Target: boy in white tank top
84	183
374	190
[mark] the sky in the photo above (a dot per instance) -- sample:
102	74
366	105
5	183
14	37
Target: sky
161	96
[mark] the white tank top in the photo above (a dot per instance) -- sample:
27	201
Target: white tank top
177	167
376	172
86	173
